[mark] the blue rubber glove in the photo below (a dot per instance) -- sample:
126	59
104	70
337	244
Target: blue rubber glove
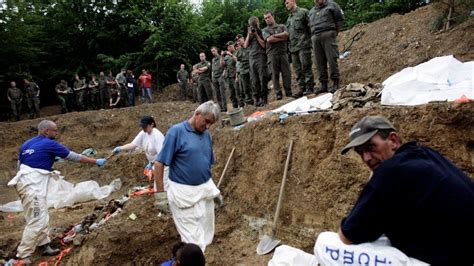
116	150
149	166
100	162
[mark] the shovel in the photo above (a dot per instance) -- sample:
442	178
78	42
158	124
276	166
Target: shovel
268	243
225	167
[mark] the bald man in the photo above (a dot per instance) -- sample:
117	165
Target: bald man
31	183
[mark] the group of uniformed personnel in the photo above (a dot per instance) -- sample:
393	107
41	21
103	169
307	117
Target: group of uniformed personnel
246	65
30	93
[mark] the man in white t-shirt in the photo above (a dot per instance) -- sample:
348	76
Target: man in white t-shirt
150	140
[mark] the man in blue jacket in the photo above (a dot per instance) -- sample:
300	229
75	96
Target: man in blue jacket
36	159
415	198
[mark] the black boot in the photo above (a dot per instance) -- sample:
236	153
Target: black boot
46	250
323	88
335	86
258	102
265	99
308	91
296	95
279	95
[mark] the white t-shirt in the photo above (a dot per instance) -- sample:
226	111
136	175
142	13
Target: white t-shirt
150	143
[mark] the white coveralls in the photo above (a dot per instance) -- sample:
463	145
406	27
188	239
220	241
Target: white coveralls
32	187
192	208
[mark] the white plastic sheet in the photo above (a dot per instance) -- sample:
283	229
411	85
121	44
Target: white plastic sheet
65	194
304	104
440	79
285	255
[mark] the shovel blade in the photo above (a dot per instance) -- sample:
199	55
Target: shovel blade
267	244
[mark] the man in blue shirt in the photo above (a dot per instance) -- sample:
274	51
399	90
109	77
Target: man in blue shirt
31	182
187	150
418	199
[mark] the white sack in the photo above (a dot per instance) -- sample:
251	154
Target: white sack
440	79
285	255
302	104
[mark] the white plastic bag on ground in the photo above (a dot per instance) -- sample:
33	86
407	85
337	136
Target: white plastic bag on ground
285	255
65	194
440	79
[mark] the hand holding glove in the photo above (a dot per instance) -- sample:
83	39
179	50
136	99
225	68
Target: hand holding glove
161	202
149	166
219	200
117	150
100	162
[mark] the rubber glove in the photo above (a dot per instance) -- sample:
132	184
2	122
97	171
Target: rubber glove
100	162
161	202
117	150
219	200
149	166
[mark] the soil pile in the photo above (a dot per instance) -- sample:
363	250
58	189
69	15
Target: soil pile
321	187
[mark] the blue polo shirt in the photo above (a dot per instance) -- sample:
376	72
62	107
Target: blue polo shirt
188	154
422	202
40	151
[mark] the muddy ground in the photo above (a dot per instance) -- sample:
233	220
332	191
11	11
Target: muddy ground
322	185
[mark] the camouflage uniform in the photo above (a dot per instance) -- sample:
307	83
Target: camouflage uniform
183	76
63	92
278	58
204	88
103	92
32	99
218	82
15	96
244	75
79	88
230	73
324	21
300	48
258	68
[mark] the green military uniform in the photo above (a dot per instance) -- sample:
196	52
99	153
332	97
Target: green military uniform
244	75
258	69
183	76
324	21
15	96
62	92
300	48
194	80
218	82
230	74
32	99
94	96
204	83
103	92
79	88
278	58
121	80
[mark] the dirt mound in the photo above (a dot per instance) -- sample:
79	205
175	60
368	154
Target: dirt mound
322	185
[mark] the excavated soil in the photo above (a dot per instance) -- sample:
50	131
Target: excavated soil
322	185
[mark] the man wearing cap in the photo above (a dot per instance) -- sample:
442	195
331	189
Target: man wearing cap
415	199
150	139
243	71
276	36
218	79
187	150
229	61
204	88
300	46
37	156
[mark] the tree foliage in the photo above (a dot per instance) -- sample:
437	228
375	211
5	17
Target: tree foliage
53	40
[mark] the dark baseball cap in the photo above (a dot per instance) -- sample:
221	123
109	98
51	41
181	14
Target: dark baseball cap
365	129
146	120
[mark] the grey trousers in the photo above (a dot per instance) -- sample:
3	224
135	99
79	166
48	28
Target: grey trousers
280	64
326	53
205	90
258	76
219	90
302	66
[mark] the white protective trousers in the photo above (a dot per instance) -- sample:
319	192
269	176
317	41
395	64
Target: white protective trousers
330	250
192	208
32	186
